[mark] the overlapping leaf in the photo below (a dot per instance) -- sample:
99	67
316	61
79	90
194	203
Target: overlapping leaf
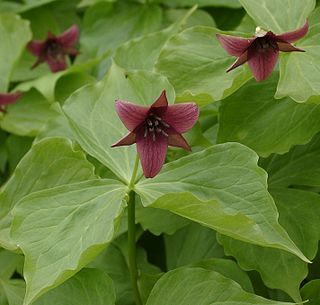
223	188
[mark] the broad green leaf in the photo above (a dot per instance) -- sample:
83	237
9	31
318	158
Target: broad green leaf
114	261
279	15
194	284
222	188
28	115
49	163
62	229
143	52
191	244
183	3
229	269
299	75
14	290
84	3
196	64
14	33
311	292
253	117
95	123
87	287
3	152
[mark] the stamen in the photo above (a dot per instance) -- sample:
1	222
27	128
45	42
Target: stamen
157	118
165	124
158	130
153	137
164	133
151	129
145	132
149	122
156	123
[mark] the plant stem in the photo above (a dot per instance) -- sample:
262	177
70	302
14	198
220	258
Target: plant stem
132	235
132	247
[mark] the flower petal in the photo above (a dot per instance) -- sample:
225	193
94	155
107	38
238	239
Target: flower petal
294	35
262	62
128	139
181	117
288	47
235	46
36	47
9	98
130	114
240	61
69	37
161	101
177	140
57	64
152	153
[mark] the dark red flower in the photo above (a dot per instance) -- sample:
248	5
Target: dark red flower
8	98
155	127
261	52
54	49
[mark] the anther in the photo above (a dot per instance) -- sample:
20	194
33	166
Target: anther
145	132
156	123
158	130
165	124
164	133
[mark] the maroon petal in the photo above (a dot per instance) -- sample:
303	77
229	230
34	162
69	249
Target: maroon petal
294	35
129	139
9	98
69	37
161	101
177	140
240	61
288	47
181	117
57	64
262	62
152	153
235	46
36	47
130	114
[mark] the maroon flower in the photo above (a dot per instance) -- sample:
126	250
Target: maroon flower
261	52
155	127
54	49
8	98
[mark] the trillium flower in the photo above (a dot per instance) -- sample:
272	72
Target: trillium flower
8	98
261	52
155	127
55	49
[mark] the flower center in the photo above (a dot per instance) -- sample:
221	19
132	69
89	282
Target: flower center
265	43
154	126
53	48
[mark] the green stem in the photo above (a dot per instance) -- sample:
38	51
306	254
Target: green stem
132	235
132	248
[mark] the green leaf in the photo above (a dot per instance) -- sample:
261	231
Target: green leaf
14	290
191	244
222	188
62	229
194	284
49	163
196	64
279	16
311	292
87	287
299	73
14	33
8	263
28	116
95	123
114	261
229	269
139	20
253	117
